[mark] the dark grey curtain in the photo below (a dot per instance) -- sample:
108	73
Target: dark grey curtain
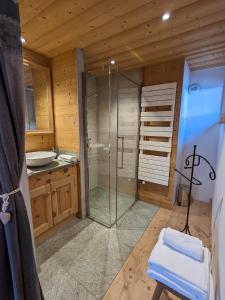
18	275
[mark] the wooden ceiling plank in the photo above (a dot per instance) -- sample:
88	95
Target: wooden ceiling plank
200	62
97	15
193	16
207	64
53	17
30	9
205	57
200	50
208	57
147	12
99	71
148	18
192	40
165	56
213	50
131	31
215	31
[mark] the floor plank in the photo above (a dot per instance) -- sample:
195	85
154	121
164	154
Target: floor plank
132	283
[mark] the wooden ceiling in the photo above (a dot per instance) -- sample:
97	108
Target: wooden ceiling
131	31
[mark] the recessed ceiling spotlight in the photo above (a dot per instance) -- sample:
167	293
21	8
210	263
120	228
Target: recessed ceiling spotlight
112	62
166	16
23	41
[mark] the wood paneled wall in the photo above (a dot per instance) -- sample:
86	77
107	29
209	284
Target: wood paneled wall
65	101
165	72
38	141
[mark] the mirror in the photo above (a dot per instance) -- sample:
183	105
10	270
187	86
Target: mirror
38	98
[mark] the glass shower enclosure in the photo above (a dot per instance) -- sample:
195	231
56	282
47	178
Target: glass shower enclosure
112	106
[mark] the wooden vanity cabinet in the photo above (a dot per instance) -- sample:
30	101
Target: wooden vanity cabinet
54	197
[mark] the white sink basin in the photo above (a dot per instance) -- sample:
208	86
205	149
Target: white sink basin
39	158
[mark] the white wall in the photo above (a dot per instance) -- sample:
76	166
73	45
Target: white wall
202	125
218	222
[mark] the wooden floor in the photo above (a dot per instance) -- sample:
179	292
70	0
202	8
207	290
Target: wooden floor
132	283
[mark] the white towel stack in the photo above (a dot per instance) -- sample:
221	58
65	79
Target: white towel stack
169	265
183	243
67	158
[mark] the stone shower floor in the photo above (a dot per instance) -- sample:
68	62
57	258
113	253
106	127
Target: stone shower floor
80	261
99	204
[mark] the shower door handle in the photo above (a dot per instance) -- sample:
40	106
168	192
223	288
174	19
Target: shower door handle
122	139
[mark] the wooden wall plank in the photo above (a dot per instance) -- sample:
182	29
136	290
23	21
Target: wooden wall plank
65	101
37	141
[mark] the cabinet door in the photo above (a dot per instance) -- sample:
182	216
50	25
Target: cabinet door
64	198
41	206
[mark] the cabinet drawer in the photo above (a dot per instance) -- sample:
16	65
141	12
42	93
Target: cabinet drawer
51	176
62	173
38	181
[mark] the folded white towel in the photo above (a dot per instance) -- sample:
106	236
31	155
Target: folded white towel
67	157
190	274
183	243
170	283
182	287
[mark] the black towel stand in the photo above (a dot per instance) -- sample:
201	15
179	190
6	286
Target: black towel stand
191	164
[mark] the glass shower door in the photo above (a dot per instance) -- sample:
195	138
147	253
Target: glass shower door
98	148
128	143
112	136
